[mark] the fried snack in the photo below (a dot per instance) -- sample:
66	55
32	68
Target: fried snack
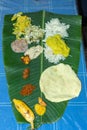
26	59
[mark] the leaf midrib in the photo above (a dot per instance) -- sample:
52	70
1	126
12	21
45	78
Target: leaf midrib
43	22
41	63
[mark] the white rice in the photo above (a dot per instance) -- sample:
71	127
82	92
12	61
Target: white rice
51	28
52	58
55	27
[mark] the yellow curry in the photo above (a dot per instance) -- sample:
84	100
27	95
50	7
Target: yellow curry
58	45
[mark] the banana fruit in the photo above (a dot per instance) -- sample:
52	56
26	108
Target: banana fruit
25	111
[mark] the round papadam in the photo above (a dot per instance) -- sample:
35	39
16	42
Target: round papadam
59	83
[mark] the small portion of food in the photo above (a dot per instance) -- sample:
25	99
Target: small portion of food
26	59
58	45
33	34
41	102
20	25
19	46
40	107
60	83
34	52
25	111
52	58
40	110
26	73
56	49
15	16
27	89
54	26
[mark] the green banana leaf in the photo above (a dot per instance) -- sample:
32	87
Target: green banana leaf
14	67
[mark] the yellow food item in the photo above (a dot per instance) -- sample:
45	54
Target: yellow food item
58	45
22	22
40	110
25	111
40	107
41	102
26	59
16	15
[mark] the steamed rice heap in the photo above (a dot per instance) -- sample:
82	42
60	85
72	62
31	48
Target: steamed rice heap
53	28
56	27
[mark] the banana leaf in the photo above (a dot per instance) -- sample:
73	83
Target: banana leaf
14	67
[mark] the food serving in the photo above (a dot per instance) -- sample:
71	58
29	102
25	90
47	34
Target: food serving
41	70
60	83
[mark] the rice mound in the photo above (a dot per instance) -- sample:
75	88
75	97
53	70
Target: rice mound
52	27
52	58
